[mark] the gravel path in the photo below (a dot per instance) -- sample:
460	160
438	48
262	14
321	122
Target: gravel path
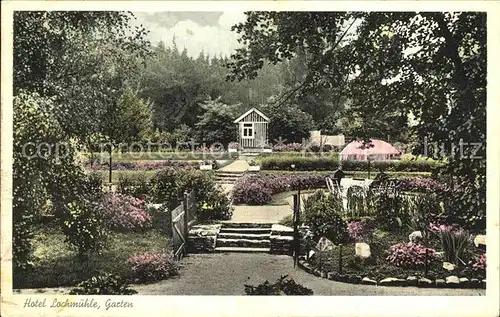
260	214
226	274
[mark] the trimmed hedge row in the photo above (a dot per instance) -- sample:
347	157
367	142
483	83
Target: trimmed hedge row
331	163
142	165
257	189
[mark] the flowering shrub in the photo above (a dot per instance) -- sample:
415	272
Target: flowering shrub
358	230
480	264
150	266
290	147
125	213
410	255
142	165
437	228
257	189
420	184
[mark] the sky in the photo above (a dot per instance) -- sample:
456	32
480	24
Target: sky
195	31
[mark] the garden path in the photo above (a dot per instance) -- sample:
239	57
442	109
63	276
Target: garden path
230	271
259	214
236	166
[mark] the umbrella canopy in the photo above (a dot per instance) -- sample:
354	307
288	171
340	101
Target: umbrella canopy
376	149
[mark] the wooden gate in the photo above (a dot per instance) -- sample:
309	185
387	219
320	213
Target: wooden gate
296	228
183	218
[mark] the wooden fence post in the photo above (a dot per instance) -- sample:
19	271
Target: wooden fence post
426	270
185	206
295	230
340	258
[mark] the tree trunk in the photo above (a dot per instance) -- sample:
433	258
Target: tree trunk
110	165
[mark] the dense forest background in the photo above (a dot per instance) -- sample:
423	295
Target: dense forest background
177	88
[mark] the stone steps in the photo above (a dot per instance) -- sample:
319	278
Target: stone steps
244	250
239	235
244	237
246	230
227	177
244	243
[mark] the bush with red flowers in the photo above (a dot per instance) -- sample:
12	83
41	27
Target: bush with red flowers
125	213
151	266
410	255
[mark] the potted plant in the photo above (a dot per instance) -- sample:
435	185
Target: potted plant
254	166
233	147
206	166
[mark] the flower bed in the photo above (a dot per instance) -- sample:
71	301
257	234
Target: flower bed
142	165
401	243
257	189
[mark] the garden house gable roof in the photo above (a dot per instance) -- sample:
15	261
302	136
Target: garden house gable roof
249	112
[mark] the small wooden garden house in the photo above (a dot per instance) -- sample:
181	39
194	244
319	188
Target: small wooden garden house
252	129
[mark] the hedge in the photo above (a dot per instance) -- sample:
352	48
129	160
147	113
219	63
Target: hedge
331	163
257	189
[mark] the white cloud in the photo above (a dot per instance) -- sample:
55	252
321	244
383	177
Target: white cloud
213	39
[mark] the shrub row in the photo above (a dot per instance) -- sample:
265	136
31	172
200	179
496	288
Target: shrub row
167	187
323	163
142	165
257	189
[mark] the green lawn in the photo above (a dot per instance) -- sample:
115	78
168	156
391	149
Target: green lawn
116	175
58	265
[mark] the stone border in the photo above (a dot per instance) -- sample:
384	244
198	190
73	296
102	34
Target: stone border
448	282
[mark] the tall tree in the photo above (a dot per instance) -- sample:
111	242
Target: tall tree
216	124
125	120
64	77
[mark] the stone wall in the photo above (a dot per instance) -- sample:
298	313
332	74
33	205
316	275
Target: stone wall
203	238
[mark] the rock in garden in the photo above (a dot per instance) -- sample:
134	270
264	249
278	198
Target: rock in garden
452	280
324	244
324	274
448	266
363	250
368	281
425	282
412	280
480	240
331	275
392	281
440	283
415	236
464	281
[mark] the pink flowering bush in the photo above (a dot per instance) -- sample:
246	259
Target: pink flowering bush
410	255
125	213
438	228
358	230
151	266
480	264
290	147
257	189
